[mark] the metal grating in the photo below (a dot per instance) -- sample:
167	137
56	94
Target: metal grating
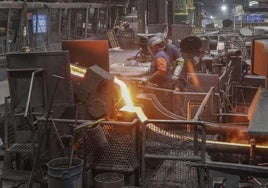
109	177
171	173
121	153
21	148
16	175
169	139
173	153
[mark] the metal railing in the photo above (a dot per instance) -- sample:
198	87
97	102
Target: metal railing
173	153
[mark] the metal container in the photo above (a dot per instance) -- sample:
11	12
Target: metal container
64	173
109	180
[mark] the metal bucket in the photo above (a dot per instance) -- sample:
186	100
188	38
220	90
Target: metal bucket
190	44
109	180
62	173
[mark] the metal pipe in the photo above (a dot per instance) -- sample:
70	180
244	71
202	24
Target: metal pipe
6	118
252	153
7	30
72	121
86	23
225	128
202	106
169	157
161	121
58	135
235	168
217	146
30	91
166	12
172	91
43	130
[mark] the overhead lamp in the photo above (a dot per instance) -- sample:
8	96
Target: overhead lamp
253	3
223	8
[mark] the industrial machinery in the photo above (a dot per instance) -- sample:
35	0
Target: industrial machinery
213	134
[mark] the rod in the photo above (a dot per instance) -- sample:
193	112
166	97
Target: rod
217	146
37	156
30	91
202	106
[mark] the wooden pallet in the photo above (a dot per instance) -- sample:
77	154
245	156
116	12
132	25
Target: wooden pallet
113	39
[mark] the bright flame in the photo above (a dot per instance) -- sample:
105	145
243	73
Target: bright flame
126	96
78	71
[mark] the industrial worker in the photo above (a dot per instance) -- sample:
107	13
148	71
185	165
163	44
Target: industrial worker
173	52
177	62
160	64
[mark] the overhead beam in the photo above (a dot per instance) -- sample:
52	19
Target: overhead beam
40	5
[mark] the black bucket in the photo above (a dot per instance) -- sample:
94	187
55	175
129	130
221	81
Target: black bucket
63	174
190	44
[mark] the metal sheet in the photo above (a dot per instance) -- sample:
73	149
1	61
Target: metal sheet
54	63
155	28
19	82
87	53
180	31
96	90
259	57
198	82
258	125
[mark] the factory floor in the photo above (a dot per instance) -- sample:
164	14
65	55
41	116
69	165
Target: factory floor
119	65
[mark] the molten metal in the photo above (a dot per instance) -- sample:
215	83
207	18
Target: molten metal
77	70
126	95
129	107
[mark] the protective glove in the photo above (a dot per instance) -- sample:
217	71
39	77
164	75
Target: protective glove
177	72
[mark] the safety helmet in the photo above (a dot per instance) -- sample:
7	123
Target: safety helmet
154	41
161	35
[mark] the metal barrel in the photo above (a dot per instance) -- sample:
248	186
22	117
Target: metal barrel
65	173
190	44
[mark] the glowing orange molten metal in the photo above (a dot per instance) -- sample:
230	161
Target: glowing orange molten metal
129	107
78	71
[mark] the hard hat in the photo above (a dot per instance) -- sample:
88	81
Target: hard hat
154	41
161	35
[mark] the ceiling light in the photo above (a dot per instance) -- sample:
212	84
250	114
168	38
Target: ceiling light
223	7
253	3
